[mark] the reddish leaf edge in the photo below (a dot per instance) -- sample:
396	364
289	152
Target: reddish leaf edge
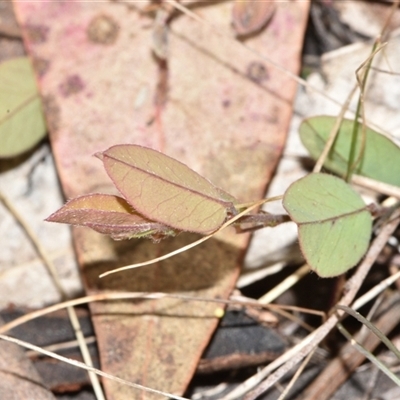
116	216
166	190
111	215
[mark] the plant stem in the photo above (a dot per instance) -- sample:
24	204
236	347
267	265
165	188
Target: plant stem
352	153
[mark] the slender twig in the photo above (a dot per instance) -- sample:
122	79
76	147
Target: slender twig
296	375
286	284
349	358
194	244
334	132
53	273
88	368
375	291
362	82
293	356
147	296
372	328
376	186
369	355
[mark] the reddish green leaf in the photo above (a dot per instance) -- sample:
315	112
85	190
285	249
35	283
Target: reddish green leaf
110	215
165	190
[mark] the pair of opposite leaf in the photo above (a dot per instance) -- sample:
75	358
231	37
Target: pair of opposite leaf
162	196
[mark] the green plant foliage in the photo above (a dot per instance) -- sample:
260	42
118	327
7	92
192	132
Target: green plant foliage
334	225
22	122
163	189
380	159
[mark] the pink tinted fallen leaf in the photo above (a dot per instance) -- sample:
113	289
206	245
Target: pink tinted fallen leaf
250	16
229	144
110	215
167	191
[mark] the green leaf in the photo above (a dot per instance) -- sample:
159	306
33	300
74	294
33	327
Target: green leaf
22	123
381	157
109	215
334	225
165	190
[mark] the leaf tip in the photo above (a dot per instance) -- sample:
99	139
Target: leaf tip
52	217
99	155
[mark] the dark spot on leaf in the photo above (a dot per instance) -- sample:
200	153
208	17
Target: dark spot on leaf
40	65
72	84
103	29
257	72
117	345
161	94
37	33
250	17
150	121
226	103
52	113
